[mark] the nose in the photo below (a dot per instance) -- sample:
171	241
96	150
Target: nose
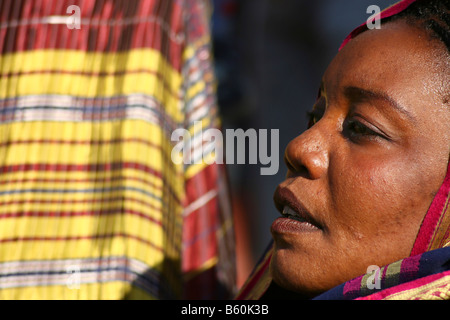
308	154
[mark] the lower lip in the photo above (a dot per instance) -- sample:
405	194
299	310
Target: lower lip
286	225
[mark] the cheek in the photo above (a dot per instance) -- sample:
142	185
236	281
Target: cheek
376	197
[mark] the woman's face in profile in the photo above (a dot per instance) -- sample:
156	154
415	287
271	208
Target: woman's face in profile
362	177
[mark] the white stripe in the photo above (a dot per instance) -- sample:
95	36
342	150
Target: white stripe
62	265
199	202
176	37
65	279
62	269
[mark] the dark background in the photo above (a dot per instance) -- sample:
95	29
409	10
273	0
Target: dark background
270	56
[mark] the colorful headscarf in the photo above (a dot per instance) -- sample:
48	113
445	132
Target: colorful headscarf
425	274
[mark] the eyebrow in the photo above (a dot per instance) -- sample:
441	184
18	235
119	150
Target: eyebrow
364	94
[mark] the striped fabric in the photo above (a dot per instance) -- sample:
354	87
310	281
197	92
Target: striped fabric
91	204
424	276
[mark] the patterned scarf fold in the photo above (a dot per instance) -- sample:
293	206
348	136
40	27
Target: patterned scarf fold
423	276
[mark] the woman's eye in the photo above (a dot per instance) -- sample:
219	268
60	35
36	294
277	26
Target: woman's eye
357	127
357	130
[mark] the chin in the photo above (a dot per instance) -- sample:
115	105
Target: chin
304	273
289	275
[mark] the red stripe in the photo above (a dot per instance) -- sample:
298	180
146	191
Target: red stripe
111	37
81	167
198	222
436	210
85	116
89	167
199	253
388	12
200	226
255	278
74	201
65	180
201	183
61	214
80	142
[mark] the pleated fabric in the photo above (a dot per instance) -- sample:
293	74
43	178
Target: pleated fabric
91	204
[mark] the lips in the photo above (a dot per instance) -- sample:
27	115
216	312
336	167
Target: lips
295	217
290	213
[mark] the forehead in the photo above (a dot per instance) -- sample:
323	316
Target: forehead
397	59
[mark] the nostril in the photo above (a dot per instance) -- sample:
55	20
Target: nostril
295	170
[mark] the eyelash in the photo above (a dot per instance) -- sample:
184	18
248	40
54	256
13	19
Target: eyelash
357	130
352	128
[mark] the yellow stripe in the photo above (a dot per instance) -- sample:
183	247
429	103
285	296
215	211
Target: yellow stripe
96	291
194	169
199	126
90	85
193	47
92	62
7	177
78	249
82	226
83	154
128	175
195	89
85	131
437	290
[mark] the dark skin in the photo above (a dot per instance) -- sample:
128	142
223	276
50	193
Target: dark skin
368	168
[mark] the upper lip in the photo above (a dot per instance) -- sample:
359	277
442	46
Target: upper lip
285	197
